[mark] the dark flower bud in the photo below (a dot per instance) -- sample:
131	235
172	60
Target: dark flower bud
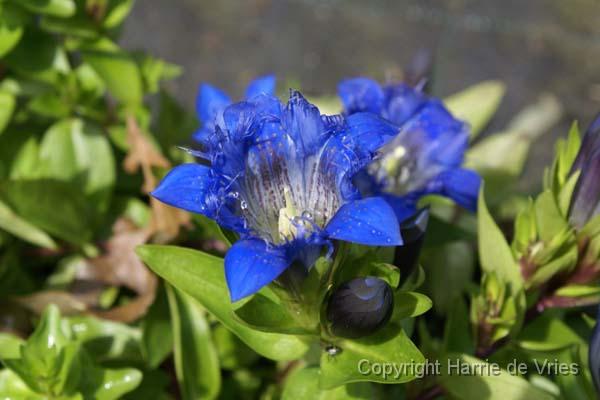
594	353
360	307
412	231
585	203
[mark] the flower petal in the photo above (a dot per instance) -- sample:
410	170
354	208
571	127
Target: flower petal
401	102
209	102
461	185
360	95
403	206
368	132
186	187
303	123
262	85
368	221
250	265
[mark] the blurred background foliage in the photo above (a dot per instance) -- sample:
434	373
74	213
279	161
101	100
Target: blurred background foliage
88	126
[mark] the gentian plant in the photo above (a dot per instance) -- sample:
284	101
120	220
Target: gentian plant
380	249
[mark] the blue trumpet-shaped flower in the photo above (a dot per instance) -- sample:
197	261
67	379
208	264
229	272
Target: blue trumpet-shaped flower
585	203
425	156
281	176
211	102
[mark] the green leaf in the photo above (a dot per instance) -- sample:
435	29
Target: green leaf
107	340
477	104
118	70
76	151
39	57
457	331
109	384
355	361
550	221
201	276
547	333
233	353
12	223
10	346
267	312
51	205
7	107
494	252
157	335
11	28
450	270
60	8
303	383
116	13
13	388
409	305
196	360
486	385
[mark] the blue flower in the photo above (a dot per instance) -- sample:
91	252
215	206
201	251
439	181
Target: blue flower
426	155
211	102
281	176
585	202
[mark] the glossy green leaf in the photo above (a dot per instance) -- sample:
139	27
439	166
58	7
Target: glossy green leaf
486	385
355	361
196	360
109	384
107	340
54	206
60	8
477	104
12	223
202	276
303	383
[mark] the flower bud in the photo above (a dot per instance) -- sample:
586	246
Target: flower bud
360	307
585	202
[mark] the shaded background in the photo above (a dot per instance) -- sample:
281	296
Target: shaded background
534	46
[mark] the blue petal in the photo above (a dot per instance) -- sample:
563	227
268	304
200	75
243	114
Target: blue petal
202	135
262	85
368	132
186	187
368	221
403	206
209	102
303	123
250	265
401	102
461	185
361	94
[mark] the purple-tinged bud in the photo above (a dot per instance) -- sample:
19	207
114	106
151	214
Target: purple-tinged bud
360	307
585	203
